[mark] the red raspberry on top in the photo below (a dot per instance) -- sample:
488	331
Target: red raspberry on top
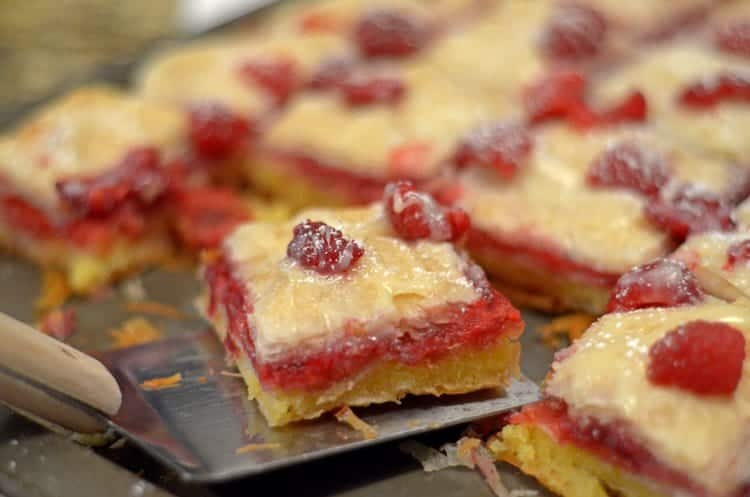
278	77
386	33
415	215
662	283
690	209
701	357
738	252
217	133
323	248
629	165
734	37
502	146
574	32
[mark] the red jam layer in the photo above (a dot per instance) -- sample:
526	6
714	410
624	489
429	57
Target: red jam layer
613	442
341	184
421	341
527	252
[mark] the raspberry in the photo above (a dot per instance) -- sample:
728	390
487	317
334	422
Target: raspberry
278	77
138	177
323	248
554	96
574	32
738	252
331	74
416	215
712	91
387	33
662	283
371	91
701	357
205	216
501	146
633	108
734	38
631	166
215	132
689	210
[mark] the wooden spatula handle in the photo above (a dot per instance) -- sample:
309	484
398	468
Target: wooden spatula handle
59	368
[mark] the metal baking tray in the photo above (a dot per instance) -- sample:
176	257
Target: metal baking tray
34	462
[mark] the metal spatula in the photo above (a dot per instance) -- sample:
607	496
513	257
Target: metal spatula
203	426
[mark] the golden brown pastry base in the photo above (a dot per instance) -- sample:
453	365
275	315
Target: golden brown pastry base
87	271
566	469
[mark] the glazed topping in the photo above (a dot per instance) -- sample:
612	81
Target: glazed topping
562	96
217	133
416	215
138	177
278	77
323	249
734	38
501	146
712	91
662	283
389	34
629	165
702	357
205	216
738	253
368	91
690	209
574	32
554	96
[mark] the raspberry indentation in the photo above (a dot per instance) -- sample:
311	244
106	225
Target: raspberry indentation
562	95
690	209
631	166
701	357
387	33
710	92
734	37
323	248
661	283
138	178
278	77
415	215
574	32
216	133
502	146
738	253
358	92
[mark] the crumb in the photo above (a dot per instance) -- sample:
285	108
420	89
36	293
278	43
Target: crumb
154	308
346	415
162	383
202	379
414	423
135	331
571	325
60	324
256	447
55	290
133	290
231	374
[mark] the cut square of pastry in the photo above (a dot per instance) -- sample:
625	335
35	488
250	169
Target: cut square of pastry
575	210
650	402
96	182
334	308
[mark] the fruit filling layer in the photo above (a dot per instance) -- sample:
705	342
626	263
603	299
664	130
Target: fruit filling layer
612	441
431	337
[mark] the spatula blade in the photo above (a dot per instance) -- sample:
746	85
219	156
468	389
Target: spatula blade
200	425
